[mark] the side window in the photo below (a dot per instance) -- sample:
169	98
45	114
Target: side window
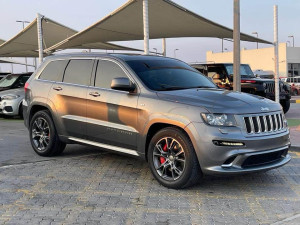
106	72
288	80
21	81
79	71
54	70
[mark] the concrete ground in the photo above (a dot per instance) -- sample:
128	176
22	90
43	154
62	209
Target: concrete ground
91	186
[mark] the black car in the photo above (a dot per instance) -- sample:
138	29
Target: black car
222	75
12	81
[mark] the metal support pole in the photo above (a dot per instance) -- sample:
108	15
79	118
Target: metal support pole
40	37
164	45
222	45
146	27
236	47
276	62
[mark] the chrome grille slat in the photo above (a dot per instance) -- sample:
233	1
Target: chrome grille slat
264	123
276	122
259	125
251	124
271	122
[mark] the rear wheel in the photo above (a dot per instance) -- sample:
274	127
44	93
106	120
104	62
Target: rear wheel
43	135
172	159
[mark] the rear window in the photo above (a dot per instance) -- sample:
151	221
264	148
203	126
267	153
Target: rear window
54	70
79	71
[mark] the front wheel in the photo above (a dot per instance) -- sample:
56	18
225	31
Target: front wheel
172	159
43	135
285	105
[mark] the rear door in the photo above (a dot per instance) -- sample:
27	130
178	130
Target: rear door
69	98
111	114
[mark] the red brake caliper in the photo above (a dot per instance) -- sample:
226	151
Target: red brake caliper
162	159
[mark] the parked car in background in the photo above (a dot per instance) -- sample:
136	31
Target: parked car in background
2	75
12	81
294	83
222	75
156	108
11	102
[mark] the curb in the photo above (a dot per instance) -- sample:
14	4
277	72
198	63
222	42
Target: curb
295	101
295	148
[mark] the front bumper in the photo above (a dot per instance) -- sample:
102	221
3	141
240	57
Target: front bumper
259	153
10	107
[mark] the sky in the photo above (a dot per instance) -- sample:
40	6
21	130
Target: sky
256	16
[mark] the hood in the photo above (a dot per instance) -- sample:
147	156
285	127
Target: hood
221	101
16	91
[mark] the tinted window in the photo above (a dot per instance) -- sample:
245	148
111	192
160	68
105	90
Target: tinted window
106	72
21	81
54	70
169	74
79	71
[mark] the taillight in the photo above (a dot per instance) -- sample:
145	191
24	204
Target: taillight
248	81
26	86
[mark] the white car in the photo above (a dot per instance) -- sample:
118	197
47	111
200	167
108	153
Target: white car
11	102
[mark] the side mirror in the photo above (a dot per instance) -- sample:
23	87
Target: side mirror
122	84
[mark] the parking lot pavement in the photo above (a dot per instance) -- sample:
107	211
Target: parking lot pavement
90	186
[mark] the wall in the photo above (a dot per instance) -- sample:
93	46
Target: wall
258	59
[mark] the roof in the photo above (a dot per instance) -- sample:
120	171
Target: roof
166	20
1	41
25	43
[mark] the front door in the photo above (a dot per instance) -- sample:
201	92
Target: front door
111	114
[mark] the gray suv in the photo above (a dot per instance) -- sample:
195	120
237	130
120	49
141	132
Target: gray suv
156	108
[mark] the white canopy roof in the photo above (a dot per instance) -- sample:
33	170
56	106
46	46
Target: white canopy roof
166	20
1	41
25	43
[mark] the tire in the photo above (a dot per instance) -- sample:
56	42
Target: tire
43	136
285	105
160	163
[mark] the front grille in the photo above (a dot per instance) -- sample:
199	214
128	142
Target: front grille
264	123
270	87
261	159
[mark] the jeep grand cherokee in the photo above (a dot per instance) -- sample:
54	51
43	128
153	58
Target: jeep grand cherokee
156	108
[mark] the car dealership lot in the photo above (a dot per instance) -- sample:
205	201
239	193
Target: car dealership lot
87	185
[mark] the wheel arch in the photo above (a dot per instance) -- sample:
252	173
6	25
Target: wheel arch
157	126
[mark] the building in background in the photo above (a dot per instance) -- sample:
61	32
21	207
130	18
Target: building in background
263	59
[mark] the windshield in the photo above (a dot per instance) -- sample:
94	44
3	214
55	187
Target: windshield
8	81
245	71
169	74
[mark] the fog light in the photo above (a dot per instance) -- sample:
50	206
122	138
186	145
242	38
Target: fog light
228	143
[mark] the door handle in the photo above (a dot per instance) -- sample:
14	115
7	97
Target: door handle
57	88
94	94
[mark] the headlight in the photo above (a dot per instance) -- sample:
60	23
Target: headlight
219	119
10	97
264	85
